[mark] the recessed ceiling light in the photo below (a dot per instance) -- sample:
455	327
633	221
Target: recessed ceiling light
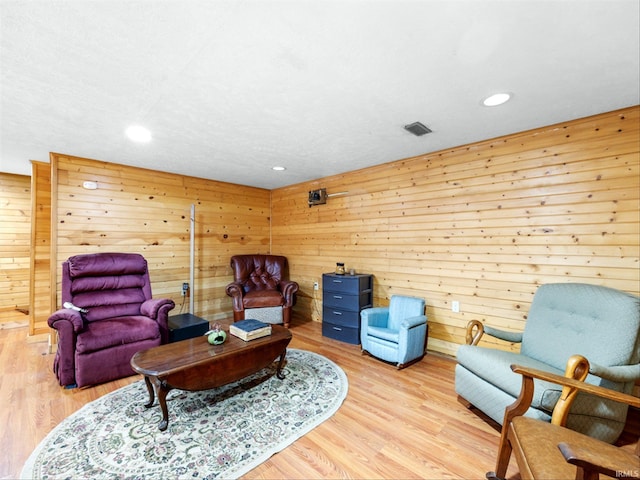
278	169
496	99
138	133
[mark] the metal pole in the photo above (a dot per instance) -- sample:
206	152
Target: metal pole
192	258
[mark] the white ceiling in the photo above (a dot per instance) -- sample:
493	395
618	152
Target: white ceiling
231	88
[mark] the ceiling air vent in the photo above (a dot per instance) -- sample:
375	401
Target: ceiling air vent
417	129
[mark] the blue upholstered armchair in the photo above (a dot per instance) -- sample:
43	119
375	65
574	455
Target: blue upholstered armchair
397	333
565	319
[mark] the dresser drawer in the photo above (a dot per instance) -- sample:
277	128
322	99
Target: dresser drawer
346	302
343	297
350	284
341	317
342	333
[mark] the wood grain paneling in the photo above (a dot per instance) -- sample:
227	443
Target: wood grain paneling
15	234
148	212
483	224
40	274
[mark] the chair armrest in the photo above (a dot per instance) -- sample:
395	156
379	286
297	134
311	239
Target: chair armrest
572	383
578	385
236	292
288	289
619	373
475	330
66	315
599	457
158	309
235	289
153	306
411	322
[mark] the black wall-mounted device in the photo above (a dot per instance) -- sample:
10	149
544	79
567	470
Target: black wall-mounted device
317	197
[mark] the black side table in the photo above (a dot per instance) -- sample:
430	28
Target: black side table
186	325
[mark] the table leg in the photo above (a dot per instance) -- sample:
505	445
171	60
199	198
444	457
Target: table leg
152	397
279	373
163	390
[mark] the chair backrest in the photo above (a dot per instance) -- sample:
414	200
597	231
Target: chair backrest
259	272
401	307
106	284
600	323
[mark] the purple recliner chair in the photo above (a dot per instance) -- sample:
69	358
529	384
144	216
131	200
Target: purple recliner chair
117	317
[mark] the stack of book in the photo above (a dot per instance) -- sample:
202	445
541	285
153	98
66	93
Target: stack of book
250	329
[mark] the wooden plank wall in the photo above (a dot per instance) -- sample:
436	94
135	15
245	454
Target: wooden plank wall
40	306
15	231
483	224
148	212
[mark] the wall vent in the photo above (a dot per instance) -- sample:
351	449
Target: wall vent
417	129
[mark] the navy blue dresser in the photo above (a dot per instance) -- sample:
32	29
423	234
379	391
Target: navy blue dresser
343	296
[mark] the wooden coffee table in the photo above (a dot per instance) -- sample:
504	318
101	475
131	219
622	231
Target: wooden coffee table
194	364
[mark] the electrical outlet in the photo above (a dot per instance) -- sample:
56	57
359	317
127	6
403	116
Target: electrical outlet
315	285
185	288
455	306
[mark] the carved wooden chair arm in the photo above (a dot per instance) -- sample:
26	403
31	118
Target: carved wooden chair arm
572	382
475	330
592	458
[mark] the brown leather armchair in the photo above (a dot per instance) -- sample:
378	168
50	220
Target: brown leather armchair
261	281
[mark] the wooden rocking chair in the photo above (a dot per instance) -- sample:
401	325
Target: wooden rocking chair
551	451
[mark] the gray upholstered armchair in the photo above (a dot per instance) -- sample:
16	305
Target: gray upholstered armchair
565	319
397	333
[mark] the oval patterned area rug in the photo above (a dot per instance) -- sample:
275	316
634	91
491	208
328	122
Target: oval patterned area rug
219	433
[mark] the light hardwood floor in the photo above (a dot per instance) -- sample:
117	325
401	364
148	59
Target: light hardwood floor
393	424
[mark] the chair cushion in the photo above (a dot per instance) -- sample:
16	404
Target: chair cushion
257	272
494	366
539	443
106	304
106	264
384	334
262	298
116	331
106	282
573	318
